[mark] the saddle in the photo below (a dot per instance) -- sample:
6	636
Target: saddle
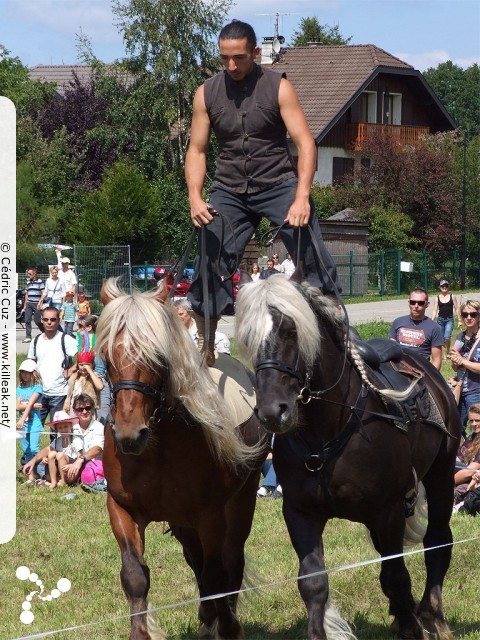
388	370
235	385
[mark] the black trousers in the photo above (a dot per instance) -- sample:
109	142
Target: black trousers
228	235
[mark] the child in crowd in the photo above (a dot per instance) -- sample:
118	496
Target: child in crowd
468	457
84	380
63	450
87	340
68	313
83	307
29	402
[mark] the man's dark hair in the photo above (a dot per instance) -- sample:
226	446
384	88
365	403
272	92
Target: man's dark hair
83	398
32	269
238	30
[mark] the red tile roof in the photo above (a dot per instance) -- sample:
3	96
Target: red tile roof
327	77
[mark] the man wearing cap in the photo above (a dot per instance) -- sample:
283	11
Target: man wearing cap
67	275
48	352
443	307
417	331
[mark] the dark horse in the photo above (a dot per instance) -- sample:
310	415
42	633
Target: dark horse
340	454
173	453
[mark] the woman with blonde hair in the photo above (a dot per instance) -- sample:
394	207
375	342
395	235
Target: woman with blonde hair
465	357
54	292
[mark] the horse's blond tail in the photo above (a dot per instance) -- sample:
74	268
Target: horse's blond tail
416	525
335	626
153	629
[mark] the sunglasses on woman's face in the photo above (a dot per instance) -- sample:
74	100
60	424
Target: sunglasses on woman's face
469	314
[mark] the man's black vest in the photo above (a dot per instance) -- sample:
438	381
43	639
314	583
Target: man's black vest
245	117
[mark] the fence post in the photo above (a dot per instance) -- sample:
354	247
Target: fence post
382	273
425	271
145	285
351	273
399	259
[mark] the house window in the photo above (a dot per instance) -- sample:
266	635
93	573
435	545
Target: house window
392	108
342	168
368	106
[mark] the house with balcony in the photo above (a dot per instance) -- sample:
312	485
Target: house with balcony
349	91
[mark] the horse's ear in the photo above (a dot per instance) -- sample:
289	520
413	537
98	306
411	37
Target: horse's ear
105	298
297	275
244	278
162	291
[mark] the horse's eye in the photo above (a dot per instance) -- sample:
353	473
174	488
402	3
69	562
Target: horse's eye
291	334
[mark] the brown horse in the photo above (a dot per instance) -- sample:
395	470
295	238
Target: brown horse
339	452
173	453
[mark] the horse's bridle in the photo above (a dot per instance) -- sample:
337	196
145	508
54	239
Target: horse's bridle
134	385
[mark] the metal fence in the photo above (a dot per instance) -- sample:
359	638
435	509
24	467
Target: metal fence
93	264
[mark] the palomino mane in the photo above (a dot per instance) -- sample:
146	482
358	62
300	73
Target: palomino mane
153	338
298	302
306	306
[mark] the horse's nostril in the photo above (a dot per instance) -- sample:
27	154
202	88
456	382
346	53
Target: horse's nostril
132	444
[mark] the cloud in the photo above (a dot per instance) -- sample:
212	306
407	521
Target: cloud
427	59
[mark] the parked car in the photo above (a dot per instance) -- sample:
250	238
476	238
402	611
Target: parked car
138	273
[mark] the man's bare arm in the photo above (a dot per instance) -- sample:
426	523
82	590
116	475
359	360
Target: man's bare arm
196	160
297	126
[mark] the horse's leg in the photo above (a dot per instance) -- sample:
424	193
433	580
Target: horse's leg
215	577
439	486
134	574
305	532
193	553
387	536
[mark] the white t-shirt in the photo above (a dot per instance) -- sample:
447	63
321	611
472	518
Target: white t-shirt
71	450
92	437
68	278
49	360
288	267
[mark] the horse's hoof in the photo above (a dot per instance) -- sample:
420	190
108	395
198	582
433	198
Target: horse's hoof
413	632
208	632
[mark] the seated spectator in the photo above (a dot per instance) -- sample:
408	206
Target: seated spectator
269	271
288	266
183	307
88	465
85	380
468	458
29	403
255	272
63	449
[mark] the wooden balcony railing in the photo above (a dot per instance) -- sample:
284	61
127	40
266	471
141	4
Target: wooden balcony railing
357	133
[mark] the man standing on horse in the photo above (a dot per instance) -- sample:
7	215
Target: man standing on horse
251	110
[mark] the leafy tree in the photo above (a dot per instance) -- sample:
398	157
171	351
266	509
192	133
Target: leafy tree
310	30
123	211
459	90
420	180
36	223
15	84
171	48
388	228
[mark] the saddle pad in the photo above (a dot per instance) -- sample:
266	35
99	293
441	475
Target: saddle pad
233	382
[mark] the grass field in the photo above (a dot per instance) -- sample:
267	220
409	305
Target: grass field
58	538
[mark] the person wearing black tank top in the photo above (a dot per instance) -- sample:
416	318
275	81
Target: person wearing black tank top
443	307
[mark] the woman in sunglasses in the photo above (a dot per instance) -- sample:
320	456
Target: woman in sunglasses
465	357
89	462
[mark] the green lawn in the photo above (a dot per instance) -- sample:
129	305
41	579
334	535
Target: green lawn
59	538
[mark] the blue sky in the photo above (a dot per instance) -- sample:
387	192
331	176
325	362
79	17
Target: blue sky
423	33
